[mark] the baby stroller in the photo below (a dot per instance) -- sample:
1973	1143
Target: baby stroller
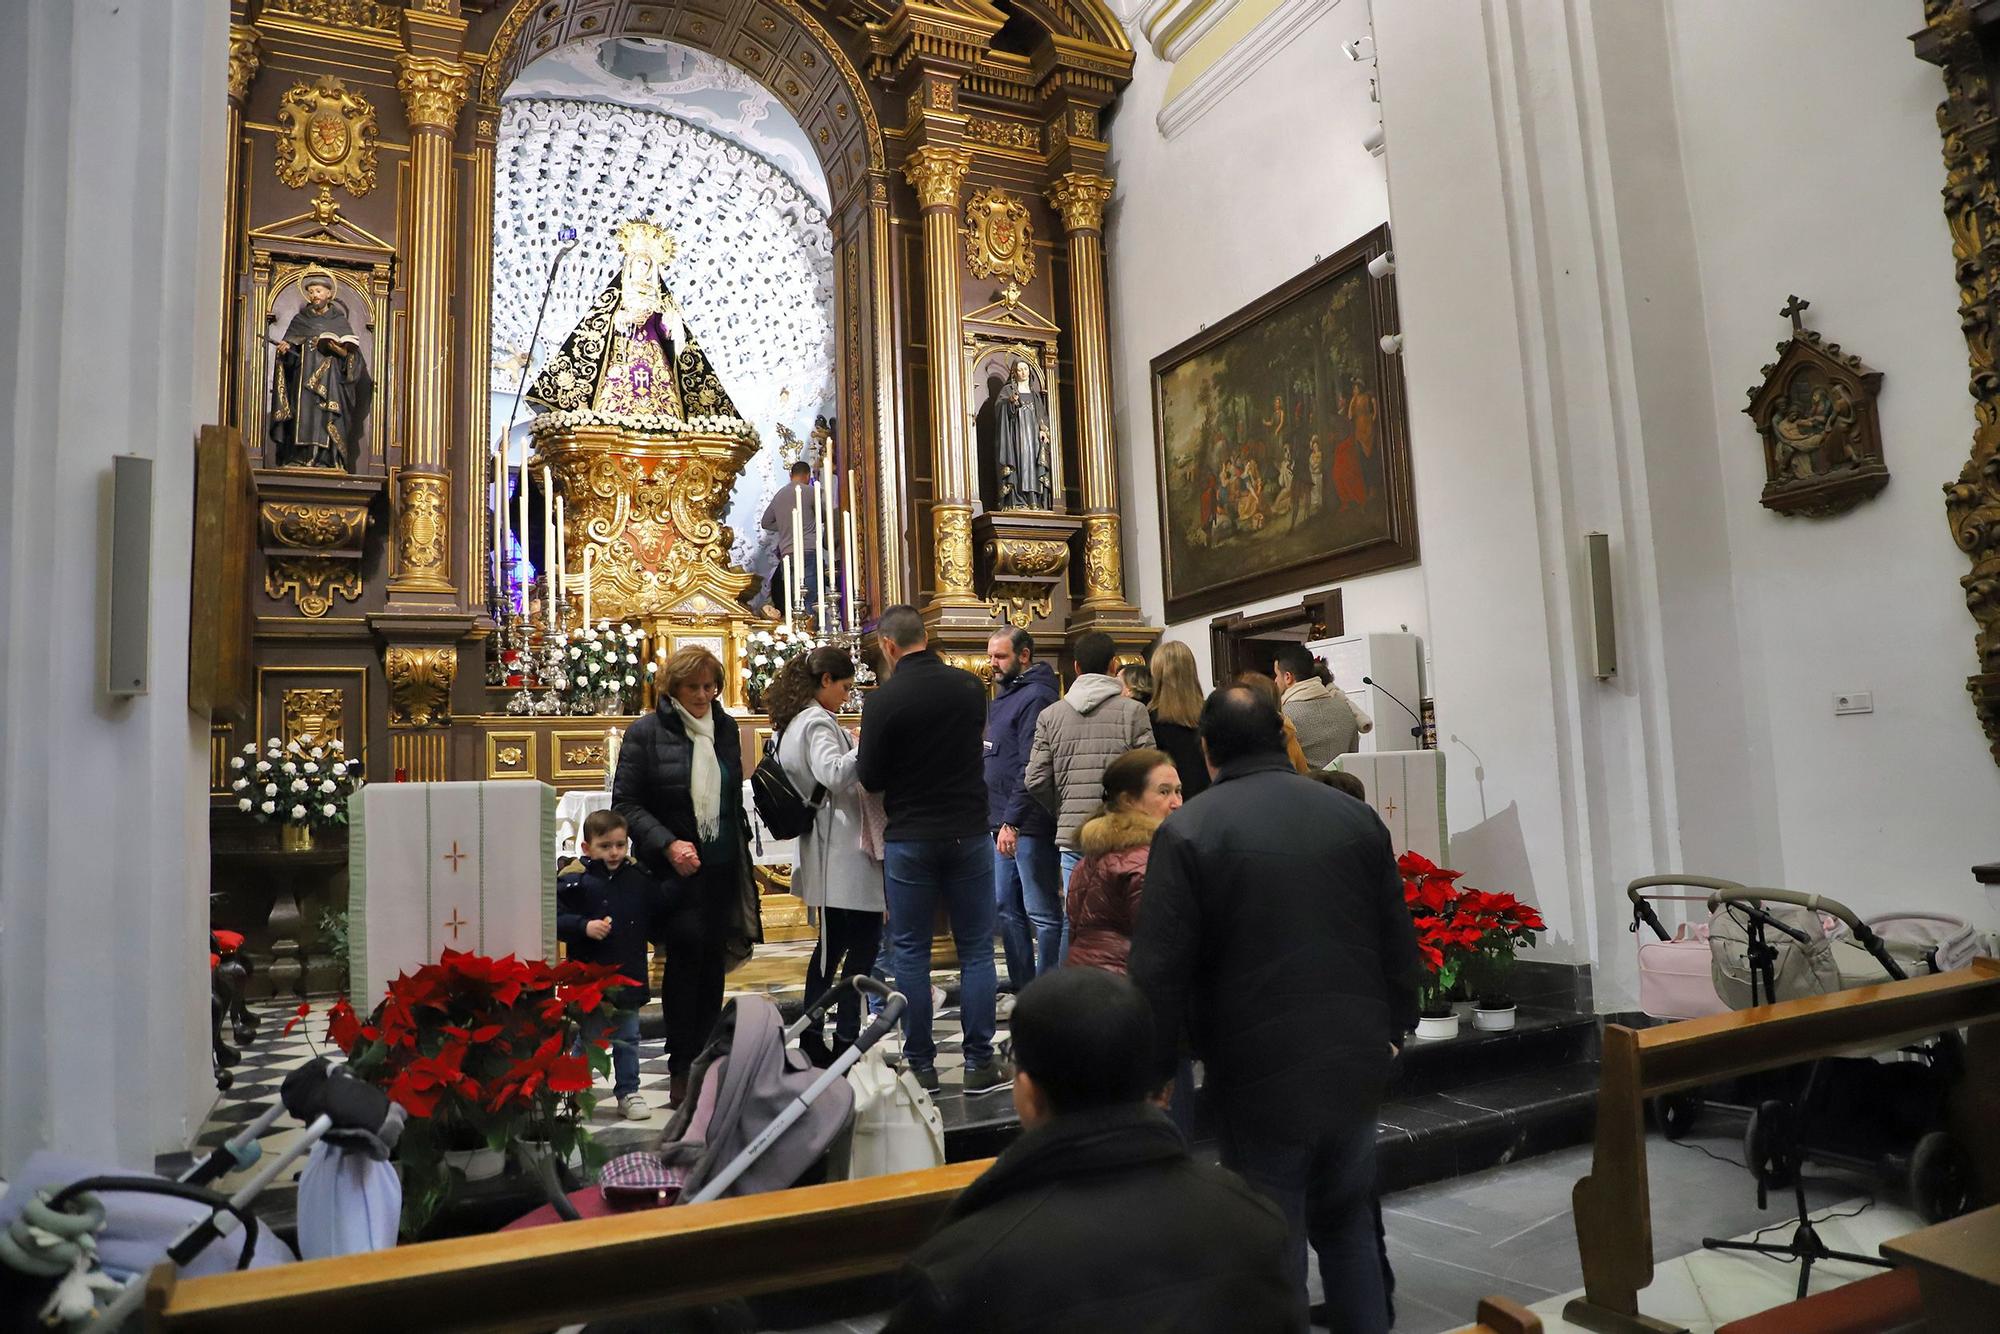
760	1117
1763	945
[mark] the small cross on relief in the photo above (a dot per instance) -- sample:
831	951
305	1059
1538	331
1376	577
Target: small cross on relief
1794	308
454	923
455	856
1389	806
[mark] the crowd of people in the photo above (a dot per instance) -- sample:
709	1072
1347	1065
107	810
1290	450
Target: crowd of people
1169	886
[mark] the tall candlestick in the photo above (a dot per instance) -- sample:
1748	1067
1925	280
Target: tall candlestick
791	586
588	552
562	552
793	593
848	517
822	544
549	542
499	470
521	524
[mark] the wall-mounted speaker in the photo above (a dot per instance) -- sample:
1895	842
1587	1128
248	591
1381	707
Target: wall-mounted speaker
128	633
1603	619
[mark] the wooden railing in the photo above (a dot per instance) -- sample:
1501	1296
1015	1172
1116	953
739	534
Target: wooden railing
1614	1233
538	1279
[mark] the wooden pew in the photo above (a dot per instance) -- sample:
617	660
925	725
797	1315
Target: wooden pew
1614	1233
541	1278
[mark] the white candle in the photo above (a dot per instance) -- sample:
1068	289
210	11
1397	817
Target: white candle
499	461
588	552
562	552
822	543
852	571
798	538
521	524
548	542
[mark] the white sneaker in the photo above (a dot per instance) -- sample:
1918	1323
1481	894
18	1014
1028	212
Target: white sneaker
634	1108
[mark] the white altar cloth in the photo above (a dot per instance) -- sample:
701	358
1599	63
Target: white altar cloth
1406	788
464	866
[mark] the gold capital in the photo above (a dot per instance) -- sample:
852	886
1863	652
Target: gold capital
433	90
936	172
420	684
243	60
1080	197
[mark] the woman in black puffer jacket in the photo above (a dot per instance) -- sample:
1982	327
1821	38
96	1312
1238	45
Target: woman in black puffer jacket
680	788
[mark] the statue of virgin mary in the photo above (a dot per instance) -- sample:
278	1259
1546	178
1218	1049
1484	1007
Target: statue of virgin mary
632	355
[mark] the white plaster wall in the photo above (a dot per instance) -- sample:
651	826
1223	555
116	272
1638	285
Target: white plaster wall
111	133
1811	151
1269	181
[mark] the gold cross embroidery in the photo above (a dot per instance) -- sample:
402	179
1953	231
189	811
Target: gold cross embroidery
455	923
455	857
1389	806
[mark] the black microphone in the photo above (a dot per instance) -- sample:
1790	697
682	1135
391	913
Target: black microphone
1758	914
568	238
1416	731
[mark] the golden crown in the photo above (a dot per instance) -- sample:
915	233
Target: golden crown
639	237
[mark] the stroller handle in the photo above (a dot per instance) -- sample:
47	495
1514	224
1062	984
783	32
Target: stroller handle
1642	910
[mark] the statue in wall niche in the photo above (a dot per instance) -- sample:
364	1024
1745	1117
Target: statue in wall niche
1816	412
1025	456
321	391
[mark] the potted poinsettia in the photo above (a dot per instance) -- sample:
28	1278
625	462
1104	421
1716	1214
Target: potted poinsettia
1446	936
1508	925
483	1054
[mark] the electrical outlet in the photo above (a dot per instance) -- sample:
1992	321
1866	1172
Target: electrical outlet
1854	701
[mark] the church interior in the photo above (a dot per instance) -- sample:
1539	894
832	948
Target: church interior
401	393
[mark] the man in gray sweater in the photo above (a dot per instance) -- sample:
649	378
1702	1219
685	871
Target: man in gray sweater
1076	738
1328	723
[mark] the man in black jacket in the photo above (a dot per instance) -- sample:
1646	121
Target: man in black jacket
1097	1218
1273	934
921	749
1027	888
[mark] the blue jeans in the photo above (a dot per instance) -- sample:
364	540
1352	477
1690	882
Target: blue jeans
625	1054
918	874
1029	899
1326	1190
1070	858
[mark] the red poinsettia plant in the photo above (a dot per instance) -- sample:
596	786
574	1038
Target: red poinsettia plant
483	1052
1464	933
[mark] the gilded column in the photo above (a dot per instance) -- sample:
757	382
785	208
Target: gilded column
1080	198
479	350
243	63
433	89
937	172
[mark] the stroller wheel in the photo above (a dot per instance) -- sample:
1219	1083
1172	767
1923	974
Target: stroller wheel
1676	1114
223	1081
1767	1147
245	1033
1940	1181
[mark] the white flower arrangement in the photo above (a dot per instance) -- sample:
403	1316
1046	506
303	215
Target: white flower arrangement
598	682
657	422
771	650
310	789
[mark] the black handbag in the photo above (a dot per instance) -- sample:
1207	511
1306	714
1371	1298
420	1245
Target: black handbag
784	812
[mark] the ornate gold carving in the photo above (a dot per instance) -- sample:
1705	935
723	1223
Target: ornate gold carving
313	717
978	664
419	684
1080	197
1058	135
422	525
952	525
584	757
313	527
936	172
1000	235
433	90
1967	121
325	211
1022	609
1103	565
311	581
1033	558
511	757
1005	134
1083	122
382	15
943	96
651	506
326	136
243	61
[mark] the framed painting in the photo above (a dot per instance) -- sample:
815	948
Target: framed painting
1282	442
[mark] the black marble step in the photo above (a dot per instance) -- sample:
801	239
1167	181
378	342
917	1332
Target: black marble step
1428	1137
1543	1037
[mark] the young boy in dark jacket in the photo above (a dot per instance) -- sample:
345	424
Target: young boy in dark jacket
606	913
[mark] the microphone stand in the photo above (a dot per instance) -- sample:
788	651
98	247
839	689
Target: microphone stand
1416	731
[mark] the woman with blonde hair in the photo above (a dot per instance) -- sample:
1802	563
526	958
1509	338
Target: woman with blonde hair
679	786
1176	710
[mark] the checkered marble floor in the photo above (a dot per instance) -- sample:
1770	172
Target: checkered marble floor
264	1063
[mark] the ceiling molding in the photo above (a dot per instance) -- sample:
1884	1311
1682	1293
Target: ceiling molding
1171	27
1246	57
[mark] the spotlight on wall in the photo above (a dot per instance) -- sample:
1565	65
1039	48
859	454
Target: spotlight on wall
1392	344
1361	48
1382	265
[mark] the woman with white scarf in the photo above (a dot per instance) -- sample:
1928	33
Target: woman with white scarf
834	873
679	786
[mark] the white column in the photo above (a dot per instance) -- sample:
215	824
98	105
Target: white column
112	128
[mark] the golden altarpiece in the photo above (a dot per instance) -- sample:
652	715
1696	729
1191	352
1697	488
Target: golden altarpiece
962	145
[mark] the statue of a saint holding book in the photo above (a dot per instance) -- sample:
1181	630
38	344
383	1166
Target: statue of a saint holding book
321	392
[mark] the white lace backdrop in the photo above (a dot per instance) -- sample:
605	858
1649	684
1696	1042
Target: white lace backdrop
753	276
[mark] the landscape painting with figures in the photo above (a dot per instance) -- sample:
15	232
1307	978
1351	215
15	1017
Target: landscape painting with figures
1283	455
